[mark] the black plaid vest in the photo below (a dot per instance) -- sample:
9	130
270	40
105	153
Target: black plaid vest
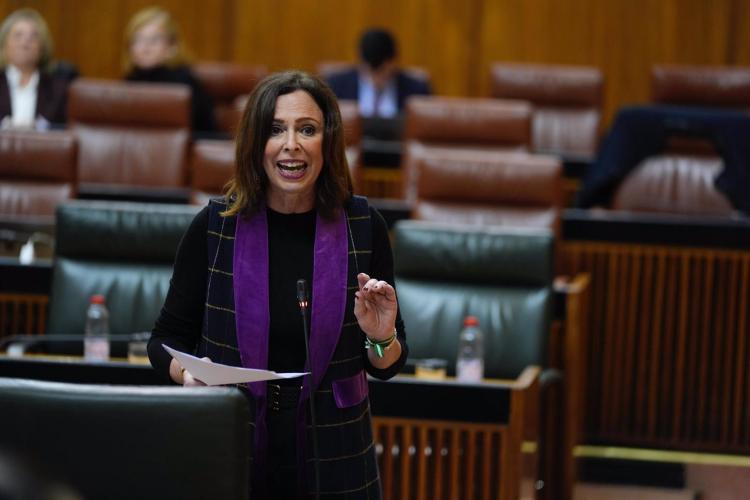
346	450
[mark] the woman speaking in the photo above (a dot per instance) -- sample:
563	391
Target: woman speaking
289	214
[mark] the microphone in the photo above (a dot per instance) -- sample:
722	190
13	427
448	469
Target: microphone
303	300
302	296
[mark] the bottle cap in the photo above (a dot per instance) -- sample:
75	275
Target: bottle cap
97	299
471	321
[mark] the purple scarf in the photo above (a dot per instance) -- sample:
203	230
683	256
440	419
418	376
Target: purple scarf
251	301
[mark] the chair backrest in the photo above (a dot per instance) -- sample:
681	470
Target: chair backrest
37	171
489	188
677	184
719	86
124	442
567	104
504	277
352	122
130	133
212	165
469	123
224	82
124	251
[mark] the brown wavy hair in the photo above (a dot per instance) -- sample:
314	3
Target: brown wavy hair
247	189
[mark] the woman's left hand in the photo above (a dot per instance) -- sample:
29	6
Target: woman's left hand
375	307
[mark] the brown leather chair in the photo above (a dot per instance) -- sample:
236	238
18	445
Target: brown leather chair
675	184
567	104
225	82
489	188
130	134
212	165
352	122
37	171
435	125
681	180
718	86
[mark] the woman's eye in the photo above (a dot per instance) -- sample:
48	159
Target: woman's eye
308	130
276	130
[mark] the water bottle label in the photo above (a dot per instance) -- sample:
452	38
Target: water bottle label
469	370
96	350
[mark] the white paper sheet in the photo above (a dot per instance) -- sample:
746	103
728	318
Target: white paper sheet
218	374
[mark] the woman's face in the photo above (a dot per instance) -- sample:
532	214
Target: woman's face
293	157
23	46
150	46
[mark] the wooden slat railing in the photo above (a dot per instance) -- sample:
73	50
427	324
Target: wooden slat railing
428	459
439	460
22	314
669	345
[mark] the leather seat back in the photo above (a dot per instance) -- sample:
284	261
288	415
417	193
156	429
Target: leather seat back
212	163
487	188
352	122
504	277
122	442
37	171
676	184
124	251
130	133
567	104
461	123
225	82
716	86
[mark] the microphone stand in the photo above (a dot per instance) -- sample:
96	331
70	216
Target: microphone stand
302	298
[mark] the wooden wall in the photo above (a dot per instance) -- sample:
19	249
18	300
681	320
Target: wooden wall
455	40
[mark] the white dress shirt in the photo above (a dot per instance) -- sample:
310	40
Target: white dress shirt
372	104
22	99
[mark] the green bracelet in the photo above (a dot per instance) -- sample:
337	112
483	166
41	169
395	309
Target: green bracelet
380	346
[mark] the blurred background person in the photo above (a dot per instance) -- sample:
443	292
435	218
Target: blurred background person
32	93
378	84
155	53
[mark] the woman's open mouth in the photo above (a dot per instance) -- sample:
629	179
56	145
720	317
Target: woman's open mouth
291	169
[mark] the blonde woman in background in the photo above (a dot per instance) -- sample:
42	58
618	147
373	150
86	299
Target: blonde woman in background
154	53
32	94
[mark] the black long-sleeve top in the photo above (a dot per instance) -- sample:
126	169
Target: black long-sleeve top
291	239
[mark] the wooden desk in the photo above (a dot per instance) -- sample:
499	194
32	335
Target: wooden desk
74	369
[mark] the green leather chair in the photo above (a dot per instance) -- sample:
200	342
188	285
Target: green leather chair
500	275
126	442
124	251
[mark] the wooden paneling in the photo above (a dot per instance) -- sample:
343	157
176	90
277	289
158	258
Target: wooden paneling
455	41
669	330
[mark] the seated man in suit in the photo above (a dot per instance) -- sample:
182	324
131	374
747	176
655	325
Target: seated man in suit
377	84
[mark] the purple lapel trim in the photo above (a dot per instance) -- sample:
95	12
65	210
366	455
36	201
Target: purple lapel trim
252	314
330	265
252	317
250	281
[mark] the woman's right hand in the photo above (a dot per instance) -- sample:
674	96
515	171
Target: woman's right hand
183	377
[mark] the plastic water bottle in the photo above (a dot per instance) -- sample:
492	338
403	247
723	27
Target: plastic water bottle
470	359
96	334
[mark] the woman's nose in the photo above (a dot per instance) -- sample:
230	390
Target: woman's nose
291	142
